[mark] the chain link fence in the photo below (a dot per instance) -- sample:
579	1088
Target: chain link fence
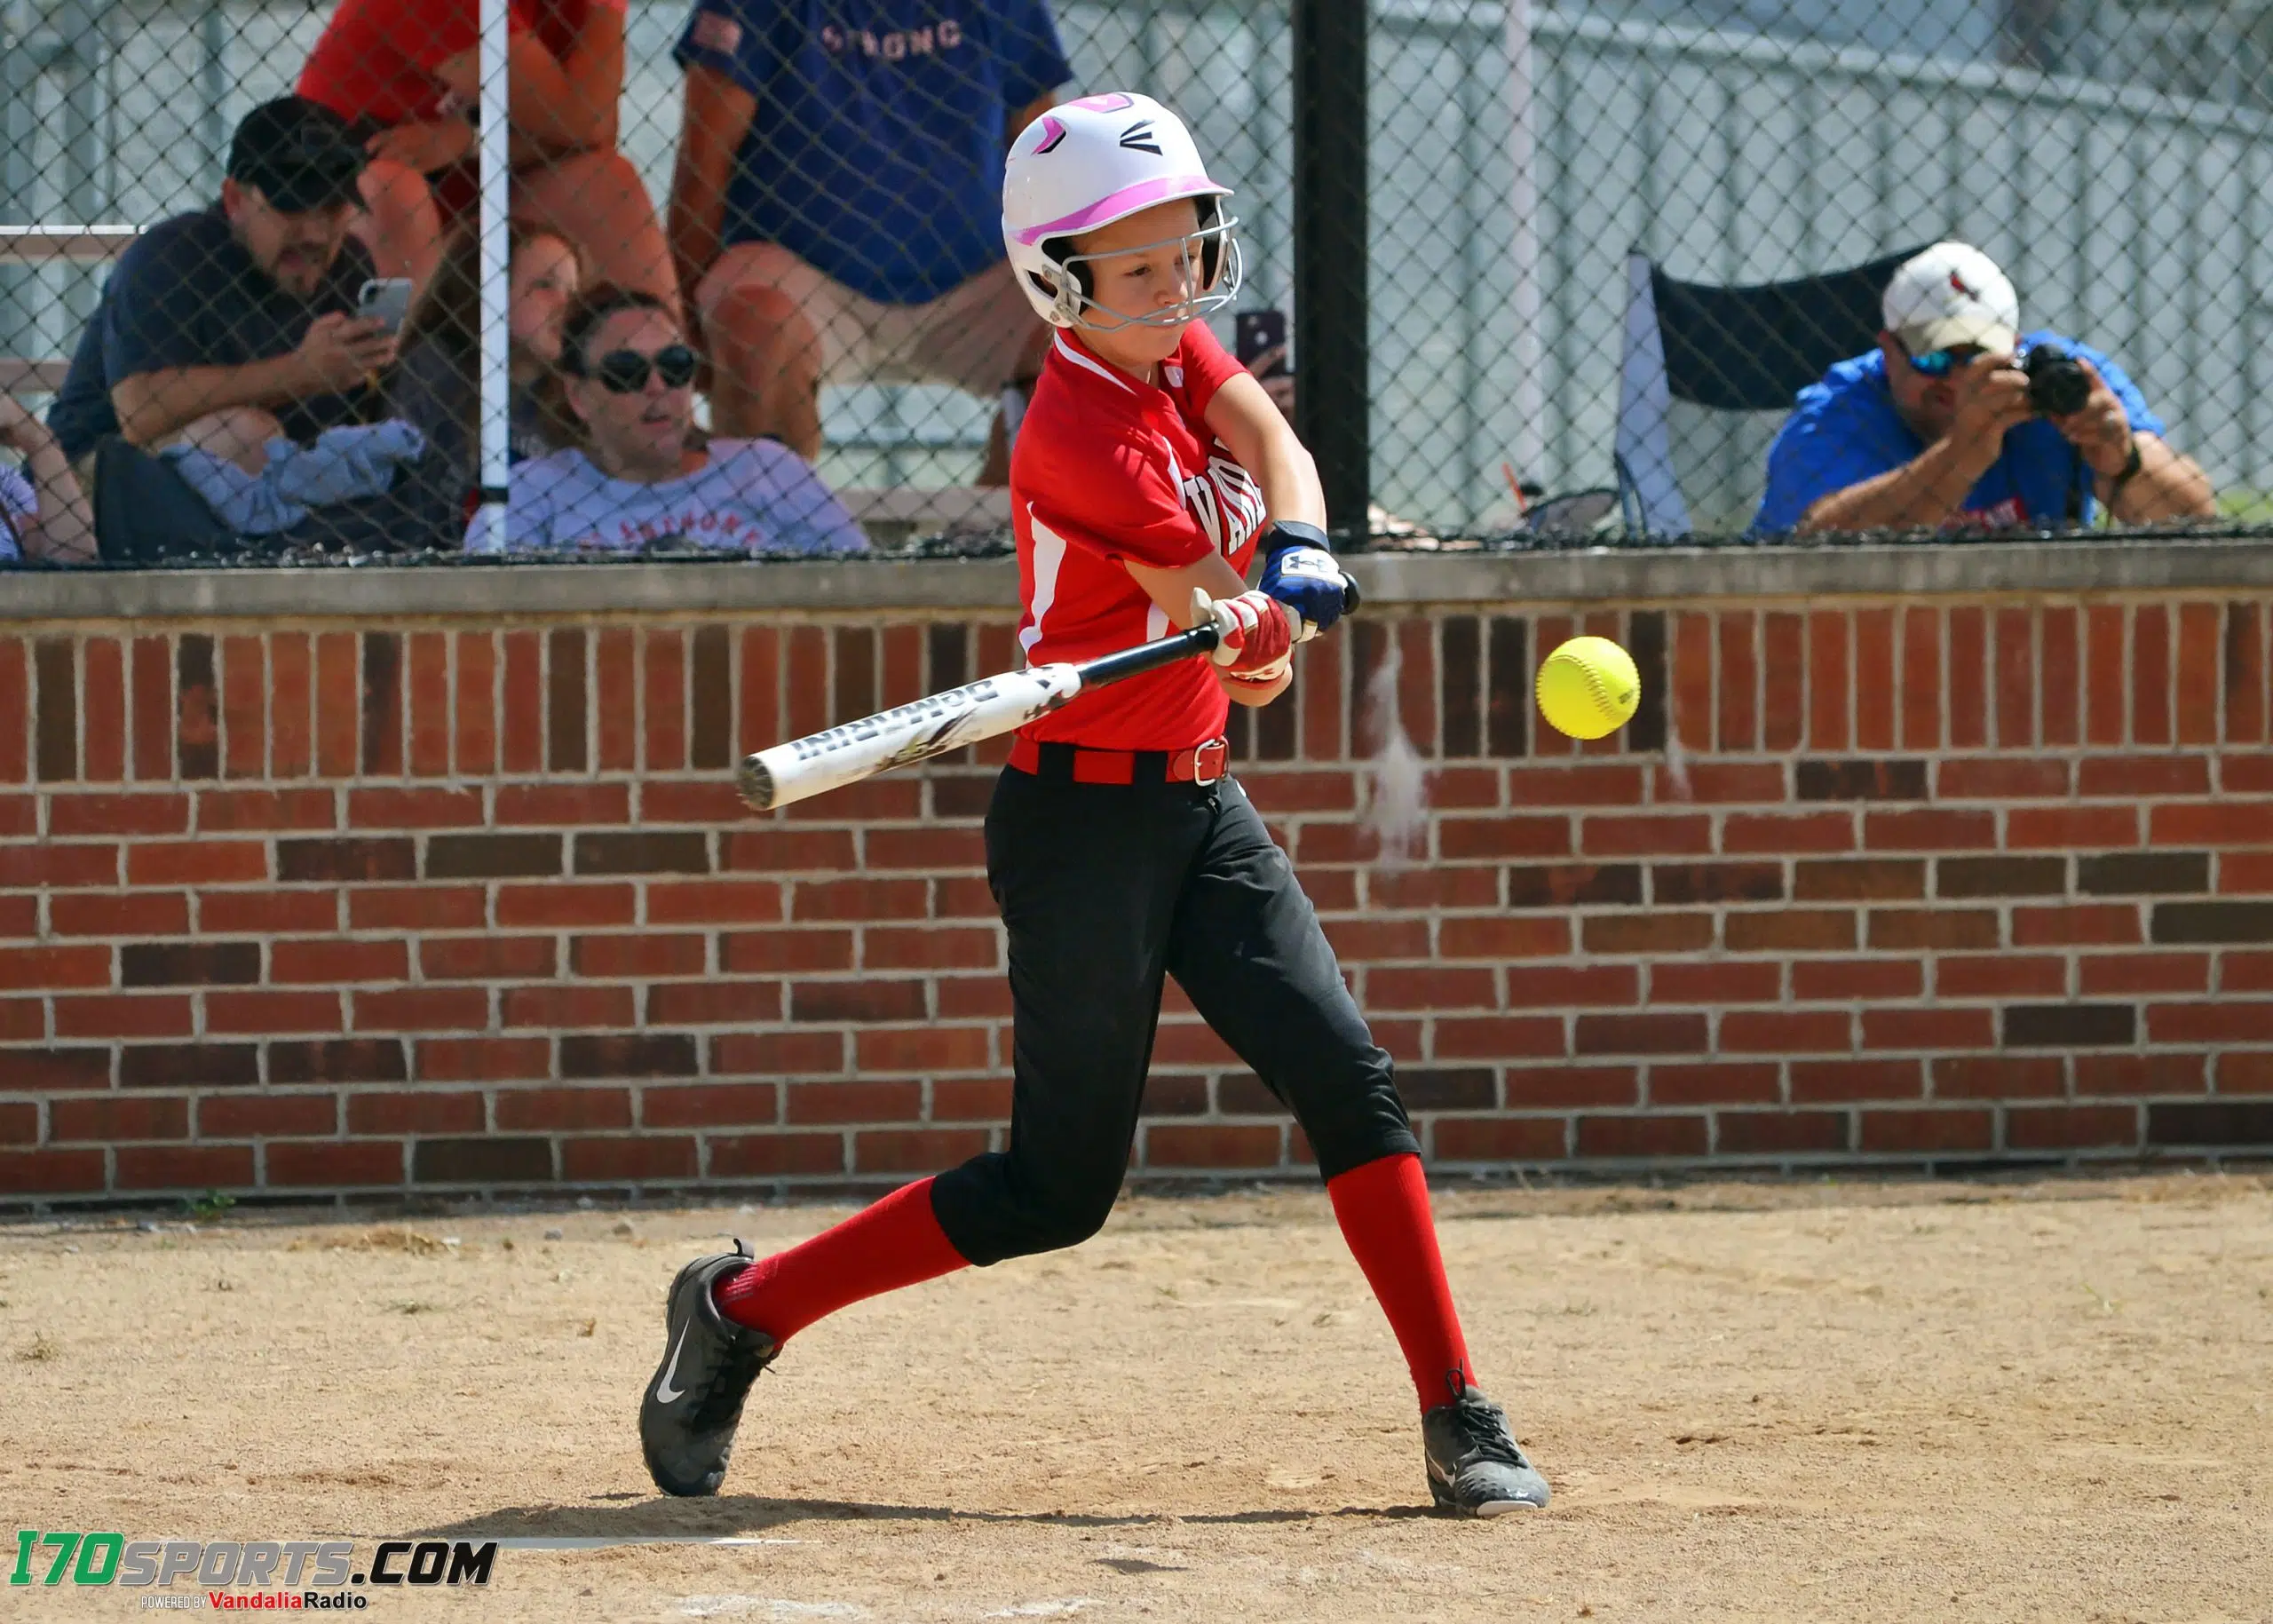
1597	251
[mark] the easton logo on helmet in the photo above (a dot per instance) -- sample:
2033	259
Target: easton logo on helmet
1136	138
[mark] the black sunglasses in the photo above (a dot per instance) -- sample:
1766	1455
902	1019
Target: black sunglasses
624	372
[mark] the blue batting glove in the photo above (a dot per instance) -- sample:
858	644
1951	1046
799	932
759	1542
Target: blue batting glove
1302	574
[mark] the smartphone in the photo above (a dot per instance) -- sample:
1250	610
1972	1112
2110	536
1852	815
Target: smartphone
1256	331
385	299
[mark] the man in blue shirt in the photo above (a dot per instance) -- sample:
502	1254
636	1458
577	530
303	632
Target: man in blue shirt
836	209
1935	430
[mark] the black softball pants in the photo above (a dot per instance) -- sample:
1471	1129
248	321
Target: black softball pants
1105	888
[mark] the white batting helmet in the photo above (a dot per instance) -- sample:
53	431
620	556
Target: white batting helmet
1089	163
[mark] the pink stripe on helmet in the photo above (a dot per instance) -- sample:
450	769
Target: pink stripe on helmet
1128	199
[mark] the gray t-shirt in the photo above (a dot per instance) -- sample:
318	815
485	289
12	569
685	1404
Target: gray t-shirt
754	495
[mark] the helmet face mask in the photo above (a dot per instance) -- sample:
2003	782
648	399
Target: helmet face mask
1087	164
1211	266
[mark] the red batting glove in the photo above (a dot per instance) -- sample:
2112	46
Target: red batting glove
1254	632
1263	677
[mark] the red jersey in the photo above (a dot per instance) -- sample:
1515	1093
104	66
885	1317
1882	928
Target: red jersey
1108	468
376	59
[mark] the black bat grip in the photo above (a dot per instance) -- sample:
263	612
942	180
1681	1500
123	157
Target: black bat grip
1148	657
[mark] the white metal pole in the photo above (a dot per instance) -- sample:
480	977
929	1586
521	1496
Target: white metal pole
1526	305
496	275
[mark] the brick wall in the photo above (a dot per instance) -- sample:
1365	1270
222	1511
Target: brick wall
470	904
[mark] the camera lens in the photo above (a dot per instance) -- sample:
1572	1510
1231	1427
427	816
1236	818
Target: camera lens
2058	385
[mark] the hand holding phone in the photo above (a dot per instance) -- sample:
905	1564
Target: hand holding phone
1259	337
386	300
339	352
1255	335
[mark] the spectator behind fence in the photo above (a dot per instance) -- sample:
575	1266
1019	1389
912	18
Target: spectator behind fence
836	209
228	328
1267	366
408	74
438	385
44	512
1956	421
625	381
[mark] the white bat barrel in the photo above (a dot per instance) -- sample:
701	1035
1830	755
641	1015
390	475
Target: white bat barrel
911	732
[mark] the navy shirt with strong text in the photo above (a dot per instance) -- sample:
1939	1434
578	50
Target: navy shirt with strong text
186	294
875	153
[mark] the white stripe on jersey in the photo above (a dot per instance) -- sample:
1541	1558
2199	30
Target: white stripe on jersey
1049	557
1070	354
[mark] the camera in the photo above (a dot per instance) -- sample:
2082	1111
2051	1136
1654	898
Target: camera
2058	384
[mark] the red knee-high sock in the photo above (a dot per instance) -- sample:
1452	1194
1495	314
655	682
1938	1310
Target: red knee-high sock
897	1242
1383	1210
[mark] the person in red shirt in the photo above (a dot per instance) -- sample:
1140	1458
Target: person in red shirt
1150	471
408	72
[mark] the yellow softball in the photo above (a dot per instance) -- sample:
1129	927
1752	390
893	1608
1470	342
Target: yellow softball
1588	687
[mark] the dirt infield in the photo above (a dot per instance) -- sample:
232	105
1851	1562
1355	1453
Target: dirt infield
1907	1401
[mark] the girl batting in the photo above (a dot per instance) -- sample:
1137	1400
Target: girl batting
1150	468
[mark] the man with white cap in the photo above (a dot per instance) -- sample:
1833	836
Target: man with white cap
1957	420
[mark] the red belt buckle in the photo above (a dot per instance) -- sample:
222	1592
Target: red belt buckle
1208	759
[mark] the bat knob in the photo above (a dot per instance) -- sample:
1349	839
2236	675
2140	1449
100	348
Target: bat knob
756	783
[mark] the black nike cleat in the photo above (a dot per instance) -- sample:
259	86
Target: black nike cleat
1475	1468
687	1418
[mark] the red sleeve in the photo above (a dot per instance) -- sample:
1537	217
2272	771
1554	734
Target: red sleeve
555	23
436	30
1109	495
1207	366
325	76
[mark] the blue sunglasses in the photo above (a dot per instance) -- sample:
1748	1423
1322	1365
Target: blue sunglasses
1941	363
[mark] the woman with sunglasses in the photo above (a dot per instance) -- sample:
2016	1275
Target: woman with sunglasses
1150	471
639	476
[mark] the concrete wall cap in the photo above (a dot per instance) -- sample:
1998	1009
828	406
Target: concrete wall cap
1669	576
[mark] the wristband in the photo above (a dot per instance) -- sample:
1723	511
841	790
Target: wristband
1287	533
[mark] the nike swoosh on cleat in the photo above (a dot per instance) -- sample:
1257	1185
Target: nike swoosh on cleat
1500	1508
665	1393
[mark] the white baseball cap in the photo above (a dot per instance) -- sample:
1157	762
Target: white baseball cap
1950	295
